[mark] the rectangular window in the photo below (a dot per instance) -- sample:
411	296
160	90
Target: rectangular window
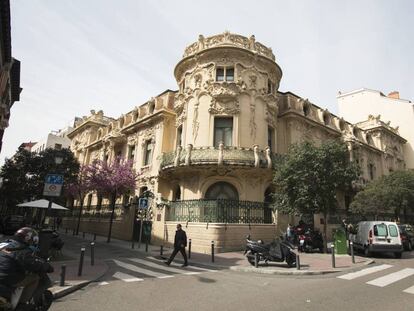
230	74
380	230
393	231
270	137
58	146
131	153
223	131
220	74
148	153
179	135
371	171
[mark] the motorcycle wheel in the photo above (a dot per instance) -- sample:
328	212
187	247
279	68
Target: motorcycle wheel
250	258
291	262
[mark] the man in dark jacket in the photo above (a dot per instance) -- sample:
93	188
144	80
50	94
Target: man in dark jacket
180	243
19	267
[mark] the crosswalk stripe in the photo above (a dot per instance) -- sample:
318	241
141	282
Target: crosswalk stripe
141	270
158	266
409	290
392	277
125	277
357	274
189	266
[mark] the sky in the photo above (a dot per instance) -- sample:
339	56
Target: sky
78	55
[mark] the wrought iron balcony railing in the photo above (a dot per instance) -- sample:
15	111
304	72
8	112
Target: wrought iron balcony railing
220	211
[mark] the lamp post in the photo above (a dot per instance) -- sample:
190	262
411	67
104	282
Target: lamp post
53	187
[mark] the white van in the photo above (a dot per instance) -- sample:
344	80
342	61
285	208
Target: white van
377	237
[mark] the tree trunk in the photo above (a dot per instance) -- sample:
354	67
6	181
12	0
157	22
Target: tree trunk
325	240
113	199
79	216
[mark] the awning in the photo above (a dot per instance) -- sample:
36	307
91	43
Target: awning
42	204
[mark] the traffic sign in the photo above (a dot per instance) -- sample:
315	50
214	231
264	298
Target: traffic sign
53	185
143	203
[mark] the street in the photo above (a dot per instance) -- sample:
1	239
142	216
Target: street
144	282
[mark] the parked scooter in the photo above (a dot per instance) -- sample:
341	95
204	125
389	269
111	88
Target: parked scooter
310	241
277	251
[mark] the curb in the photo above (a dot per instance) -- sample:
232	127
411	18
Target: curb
297	272
70	289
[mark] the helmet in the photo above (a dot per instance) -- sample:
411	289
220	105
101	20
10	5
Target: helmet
27	235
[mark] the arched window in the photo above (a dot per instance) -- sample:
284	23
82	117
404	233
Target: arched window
222	190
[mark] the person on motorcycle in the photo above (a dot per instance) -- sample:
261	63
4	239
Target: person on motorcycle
20	267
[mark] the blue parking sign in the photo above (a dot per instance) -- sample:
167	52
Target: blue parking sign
143	203
54	179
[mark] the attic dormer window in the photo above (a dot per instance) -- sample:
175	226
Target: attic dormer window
151	108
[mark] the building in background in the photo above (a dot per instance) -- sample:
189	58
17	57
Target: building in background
359	105
9	70
55	140
27	146
208	150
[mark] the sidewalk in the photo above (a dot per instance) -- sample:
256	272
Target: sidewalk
310	263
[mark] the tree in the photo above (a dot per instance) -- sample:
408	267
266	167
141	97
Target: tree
24	174
391	194
112	180
79	188
308	178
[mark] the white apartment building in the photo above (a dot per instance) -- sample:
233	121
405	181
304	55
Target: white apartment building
55	140
357	105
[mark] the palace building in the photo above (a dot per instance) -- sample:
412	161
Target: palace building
207	151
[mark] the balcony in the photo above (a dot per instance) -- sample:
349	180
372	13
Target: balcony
235	156
220	211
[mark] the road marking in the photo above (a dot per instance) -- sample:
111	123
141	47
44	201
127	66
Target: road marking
158	266
141	270
409	290
126	277
392	277
354	275
189	266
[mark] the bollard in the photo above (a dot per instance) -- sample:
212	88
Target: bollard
351	245
82	255
66	231
133	244
92	253
256	261
212	251
94	236
146	246
297	262
161	250
83	234
333	255
62	275
189	248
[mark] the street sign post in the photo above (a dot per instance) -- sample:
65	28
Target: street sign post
53	185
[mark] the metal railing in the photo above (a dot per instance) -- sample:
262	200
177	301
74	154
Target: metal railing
96	212
220	211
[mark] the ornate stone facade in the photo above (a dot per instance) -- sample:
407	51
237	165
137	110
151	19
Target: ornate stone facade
225	126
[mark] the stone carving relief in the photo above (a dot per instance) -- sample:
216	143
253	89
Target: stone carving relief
231	107
253	125
196	123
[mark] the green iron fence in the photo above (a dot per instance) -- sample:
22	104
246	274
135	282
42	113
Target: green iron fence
220	211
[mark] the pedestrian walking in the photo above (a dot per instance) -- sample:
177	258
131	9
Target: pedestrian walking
180	243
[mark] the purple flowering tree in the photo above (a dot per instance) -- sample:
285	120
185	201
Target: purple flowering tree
111	180
79	188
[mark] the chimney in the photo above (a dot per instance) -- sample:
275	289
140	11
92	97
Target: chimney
394	94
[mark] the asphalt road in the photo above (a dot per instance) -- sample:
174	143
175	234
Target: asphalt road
127	286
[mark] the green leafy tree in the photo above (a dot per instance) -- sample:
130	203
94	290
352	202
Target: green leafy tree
24	174
308	178
391	194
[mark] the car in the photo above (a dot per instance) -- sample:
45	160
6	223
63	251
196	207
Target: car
11	223
407	236
377	237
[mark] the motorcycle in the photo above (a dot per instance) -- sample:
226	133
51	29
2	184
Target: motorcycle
10	296
309	241
277	251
